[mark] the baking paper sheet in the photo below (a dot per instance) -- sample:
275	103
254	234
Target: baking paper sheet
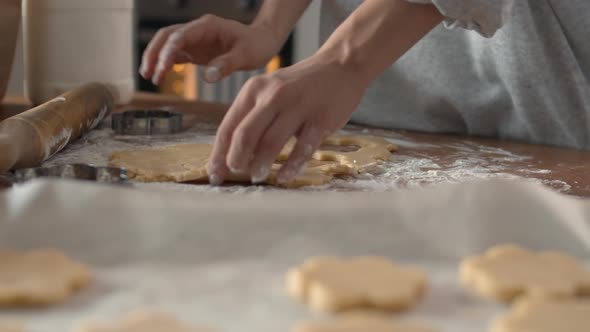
220	259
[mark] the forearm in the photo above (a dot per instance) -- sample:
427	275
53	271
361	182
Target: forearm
281	16
377	34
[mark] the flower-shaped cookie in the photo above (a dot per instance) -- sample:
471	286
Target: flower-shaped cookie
331	284
10	326
571	315
144	322
507	272
39	277
361	323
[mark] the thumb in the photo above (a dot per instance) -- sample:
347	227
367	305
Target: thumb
223	66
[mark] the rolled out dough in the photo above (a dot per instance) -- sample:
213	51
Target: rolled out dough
187	162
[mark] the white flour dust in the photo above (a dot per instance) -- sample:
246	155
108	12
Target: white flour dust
410	172
413	166
57	142
92	123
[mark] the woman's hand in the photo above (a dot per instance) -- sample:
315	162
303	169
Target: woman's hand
316	97
221	44
309	100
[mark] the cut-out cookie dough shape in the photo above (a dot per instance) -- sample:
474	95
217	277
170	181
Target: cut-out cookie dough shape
331	284
39	277
571	315
187	162
370	150
361	323
507	272
144	322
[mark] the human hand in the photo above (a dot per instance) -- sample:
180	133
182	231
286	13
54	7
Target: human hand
309	101
221	44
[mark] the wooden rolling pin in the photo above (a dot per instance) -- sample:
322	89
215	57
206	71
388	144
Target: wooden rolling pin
28	139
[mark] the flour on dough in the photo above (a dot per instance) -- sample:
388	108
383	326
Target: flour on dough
177	163
361	323
507	272
571	315
39	277
187	162
371	150
144	322
332	284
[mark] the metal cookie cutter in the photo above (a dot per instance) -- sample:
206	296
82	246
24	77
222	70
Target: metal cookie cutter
109	175
147	122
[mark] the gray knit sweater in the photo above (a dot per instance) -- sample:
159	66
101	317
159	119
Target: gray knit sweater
512	69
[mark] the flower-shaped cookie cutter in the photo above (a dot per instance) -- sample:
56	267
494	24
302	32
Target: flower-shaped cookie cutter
147	122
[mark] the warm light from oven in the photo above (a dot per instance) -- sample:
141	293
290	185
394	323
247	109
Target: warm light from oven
274	64
182	80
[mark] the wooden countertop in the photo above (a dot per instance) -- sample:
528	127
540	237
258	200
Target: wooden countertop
564	169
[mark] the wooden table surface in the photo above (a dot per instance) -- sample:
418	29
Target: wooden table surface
556	167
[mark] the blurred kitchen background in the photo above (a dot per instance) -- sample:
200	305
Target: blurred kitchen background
183	80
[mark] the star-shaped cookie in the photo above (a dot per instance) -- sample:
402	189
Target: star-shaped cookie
331	284
507	272
571	315
361	323
39	277
144	322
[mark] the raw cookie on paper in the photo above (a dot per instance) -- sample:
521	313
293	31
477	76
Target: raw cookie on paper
331	284
543	315
39	277
187	162
144	322
361	323
507	272
10	326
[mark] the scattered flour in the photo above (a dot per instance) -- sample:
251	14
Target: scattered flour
57	142
92	123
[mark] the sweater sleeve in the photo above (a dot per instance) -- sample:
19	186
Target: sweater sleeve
483	16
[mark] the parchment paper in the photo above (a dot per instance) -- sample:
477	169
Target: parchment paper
220	259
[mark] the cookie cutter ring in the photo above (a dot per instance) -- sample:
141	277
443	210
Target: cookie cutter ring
110	175
147	122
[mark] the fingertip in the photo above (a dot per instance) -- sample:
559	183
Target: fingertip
260	174
235	169
143	70
155	80
300	155
215	179
159	73
213	73
285	176
214	171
